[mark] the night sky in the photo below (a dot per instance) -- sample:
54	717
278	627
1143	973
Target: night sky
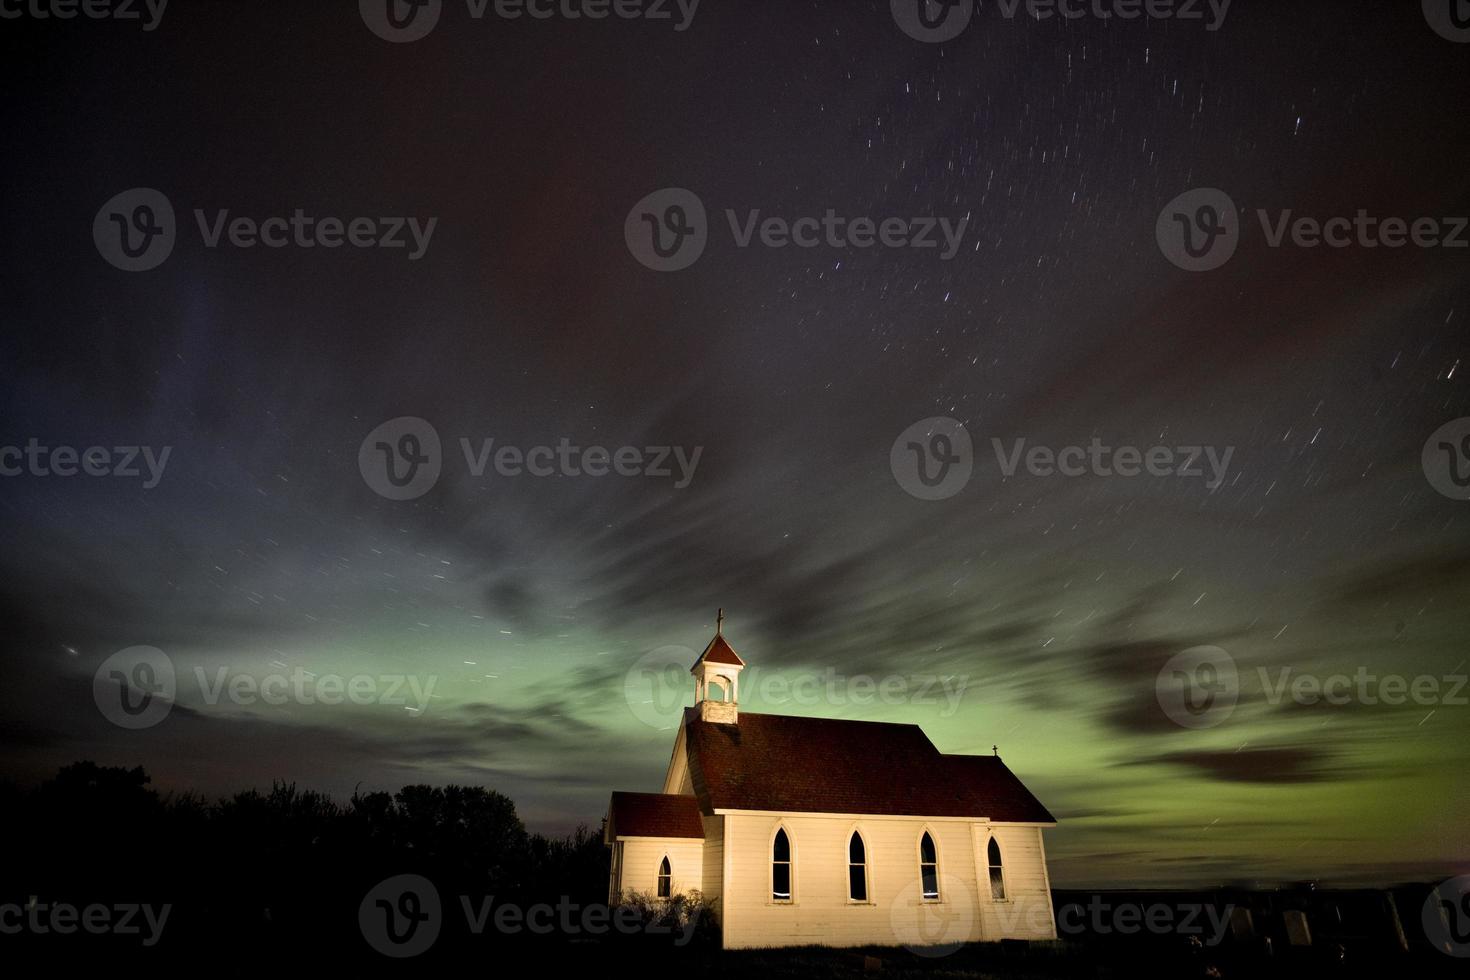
1055	601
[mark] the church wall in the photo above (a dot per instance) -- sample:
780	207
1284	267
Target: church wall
641	858
714	856
1027	912
821	913
677	778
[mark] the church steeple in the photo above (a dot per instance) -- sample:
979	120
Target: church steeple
717	679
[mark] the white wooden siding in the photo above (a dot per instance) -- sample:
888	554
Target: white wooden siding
820	912
734	862
676	778
1027	912
714	857
641	858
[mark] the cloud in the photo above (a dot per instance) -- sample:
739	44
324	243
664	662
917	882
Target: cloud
1271	766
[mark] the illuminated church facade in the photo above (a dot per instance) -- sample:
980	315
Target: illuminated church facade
813	831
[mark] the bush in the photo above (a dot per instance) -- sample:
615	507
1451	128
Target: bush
688	914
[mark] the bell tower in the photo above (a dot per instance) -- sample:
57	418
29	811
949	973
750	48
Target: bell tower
717	679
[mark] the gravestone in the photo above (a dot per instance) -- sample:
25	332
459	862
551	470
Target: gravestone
1242	926
1297	932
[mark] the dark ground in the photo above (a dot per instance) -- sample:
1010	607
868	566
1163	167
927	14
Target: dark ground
276	881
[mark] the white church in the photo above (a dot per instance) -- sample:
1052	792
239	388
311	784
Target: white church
814	831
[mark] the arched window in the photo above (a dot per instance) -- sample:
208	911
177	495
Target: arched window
997	874
857	868
781	867
929	868
665	879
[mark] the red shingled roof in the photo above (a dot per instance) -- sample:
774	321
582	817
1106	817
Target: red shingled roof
653	815
719	652
824	765
997	791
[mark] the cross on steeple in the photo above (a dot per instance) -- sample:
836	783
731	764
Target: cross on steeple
719	621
